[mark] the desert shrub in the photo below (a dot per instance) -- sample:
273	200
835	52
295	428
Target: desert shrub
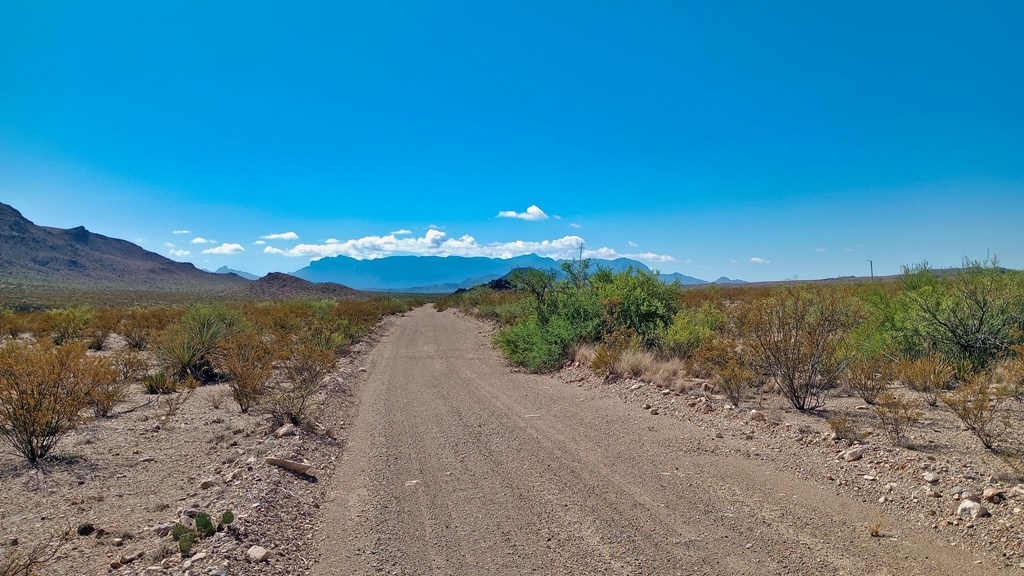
977	405
65	324
637	363
928	376
538	284
96	333
798	336
536	347
868	378
16	563
305	363
634	300
140	326
843	428
689	329
735	379
106	387
579	310
896	416
187	347
43	390
174	400
609	352
159	383
714	351
129	363
973	315
248	361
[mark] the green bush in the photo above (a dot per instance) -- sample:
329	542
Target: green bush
690	328
187	347
635	300
536	347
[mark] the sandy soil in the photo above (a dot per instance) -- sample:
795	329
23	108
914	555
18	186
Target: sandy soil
457	465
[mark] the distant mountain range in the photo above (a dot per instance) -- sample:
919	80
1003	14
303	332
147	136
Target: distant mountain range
37	260
425	274
226	270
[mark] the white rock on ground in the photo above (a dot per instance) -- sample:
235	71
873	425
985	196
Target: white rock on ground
258	554
971	509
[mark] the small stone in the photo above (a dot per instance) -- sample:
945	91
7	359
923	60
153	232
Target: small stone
653	411
930	477
12	542
646	406
870	477
757	416
971	509
162	529
117	541
199	557
993	495
854	454
636	386
719	435
666	392
362	369
286	430
146	459
258	554
208	483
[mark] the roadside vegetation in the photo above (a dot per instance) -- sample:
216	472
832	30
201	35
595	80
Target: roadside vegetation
63	369
949	340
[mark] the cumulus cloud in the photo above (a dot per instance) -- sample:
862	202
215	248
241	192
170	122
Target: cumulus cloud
225	249
169	244
438	243
575	225
281	236
179	253
181	231
201	240
532	213
401	232
632	244
757	260
260	242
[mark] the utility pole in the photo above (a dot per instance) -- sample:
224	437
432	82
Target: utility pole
872	264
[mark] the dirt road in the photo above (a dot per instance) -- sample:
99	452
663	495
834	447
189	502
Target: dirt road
458	466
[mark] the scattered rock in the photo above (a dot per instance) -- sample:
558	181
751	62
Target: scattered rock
146	459
286	430
85	529
854	454
258	554
636	386
300	467
757	416
971	509
162	530
993	495
209	483
930	477
653	411
117	541
646	406
719	435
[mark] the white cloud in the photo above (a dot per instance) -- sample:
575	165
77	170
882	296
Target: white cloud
847	249
438	243
575	225
181	231
179	253
201	240
401	232
632	244
260	242
225	249
733	262
532	213
757	260
169	244
281	236
819	250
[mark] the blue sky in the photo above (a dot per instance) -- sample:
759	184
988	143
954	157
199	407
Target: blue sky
748	139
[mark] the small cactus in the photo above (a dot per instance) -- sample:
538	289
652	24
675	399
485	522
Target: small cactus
227	518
